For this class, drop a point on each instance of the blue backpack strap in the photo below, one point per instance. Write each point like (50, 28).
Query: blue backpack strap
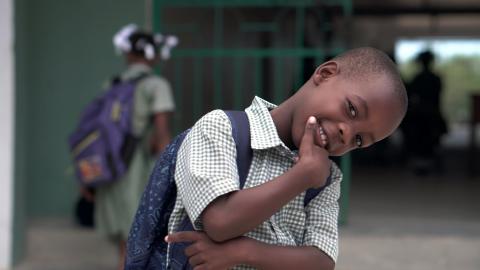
(241, 136)
(313, 192)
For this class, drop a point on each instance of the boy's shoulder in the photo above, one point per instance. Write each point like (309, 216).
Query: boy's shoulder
(215, 114)
(212, 120)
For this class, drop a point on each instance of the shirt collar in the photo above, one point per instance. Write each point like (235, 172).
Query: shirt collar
(262, 129)
(135, 70)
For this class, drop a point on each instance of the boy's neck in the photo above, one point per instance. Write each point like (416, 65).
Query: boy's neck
(282, 117)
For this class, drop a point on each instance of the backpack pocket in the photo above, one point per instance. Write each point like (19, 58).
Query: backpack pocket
(93, 165)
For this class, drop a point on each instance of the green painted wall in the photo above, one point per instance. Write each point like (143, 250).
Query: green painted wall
(66, 54)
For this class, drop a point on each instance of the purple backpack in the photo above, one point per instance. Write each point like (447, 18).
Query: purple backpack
(103, 143)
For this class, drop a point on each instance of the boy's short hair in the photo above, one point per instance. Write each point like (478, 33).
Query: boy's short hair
(365, 63)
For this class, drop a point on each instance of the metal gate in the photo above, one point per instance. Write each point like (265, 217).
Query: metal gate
(232, 50)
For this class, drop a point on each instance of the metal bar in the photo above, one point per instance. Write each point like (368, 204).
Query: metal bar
(178, 116)
(156, 15)
(255, 53)
(299, 42)
(279, 90)
(319, 59)
(156, 27)
(383, 11)
(217, 65)
(238, 83)
(190, 28)
(259, 27)
(258, 77)
(197, 88)
(347, 8)
(243, 3)
(148, 15)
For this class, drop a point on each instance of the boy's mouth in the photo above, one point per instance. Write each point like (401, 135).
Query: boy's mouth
(322, 137)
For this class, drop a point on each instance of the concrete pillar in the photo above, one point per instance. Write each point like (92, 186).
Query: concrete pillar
(6, 131)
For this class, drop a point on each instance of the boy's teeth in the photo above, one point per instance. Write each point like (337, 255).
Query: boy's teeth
(323, 136)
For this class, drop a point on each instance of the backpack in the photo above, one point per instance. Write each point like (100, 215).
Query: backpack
(146, 248)
(103, 143)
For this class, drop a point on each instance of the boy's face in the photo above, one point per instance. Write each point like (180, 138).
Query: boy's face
(353, 114)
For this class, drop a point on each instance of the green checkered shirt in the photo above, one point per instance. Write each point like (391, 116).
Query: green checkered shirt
(206, 169)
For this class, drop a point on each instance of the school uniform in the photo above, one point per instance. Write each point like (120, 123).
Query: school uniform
(116, 203)
(206, 169)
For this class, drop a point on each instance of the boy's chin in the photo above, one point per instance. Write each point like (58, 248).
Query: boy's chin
(340, 152)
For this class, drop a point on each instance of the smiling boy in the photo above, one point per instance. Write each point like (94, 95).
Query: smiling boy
(350, 102)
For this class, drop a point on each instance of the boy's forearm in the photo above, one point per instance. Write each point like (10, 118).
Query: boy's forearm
(240, 212)
(264, 256)
(206, 253)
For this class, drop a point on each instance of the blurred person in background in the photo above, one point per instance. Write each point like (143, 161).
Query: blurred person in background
(153, 105)
(424, 123)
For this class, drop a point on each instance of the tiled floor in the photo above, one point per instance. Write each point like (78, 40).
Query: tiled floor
(397, 221)
(58, 244)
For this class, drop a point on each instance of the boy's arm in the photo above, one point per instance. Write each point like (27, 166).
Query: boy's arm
(243, 250)
(239, 212)
(265, 256)
(318, 250)
(207, 180)
(321, 226)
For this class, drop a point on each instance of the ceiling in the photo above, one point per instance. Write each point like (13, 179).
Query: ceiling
(408, 7)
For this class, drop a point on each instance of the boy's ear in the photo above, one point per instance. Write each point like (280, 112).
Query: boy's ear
(325, 71)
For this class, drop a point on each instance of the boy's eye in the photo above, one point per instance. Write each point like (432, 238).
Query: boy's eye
(358, 141)
(352, 110)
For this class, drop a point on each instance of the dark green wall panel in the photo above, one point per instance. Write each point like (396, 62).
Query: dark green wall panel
(69, 53)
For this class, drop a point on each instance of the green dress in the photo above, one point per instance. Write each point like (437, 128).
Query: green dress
(116, 203)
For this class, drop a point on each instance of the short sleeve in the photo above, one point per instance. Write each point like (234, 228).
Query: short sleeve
(206, 164)
(160, 95)
(321, 228)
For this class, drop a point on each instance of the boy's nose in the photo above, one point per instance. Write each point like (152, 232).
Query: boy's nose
(345, 133)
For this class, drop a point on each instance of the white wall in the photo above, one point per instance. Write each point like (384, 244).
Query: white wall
(6, 130)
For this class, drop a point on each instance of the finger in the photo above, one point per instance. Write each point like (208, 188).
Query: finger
(188, 236)
(200, 267)
(196, 260)
(307, 139)
(192, 250)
